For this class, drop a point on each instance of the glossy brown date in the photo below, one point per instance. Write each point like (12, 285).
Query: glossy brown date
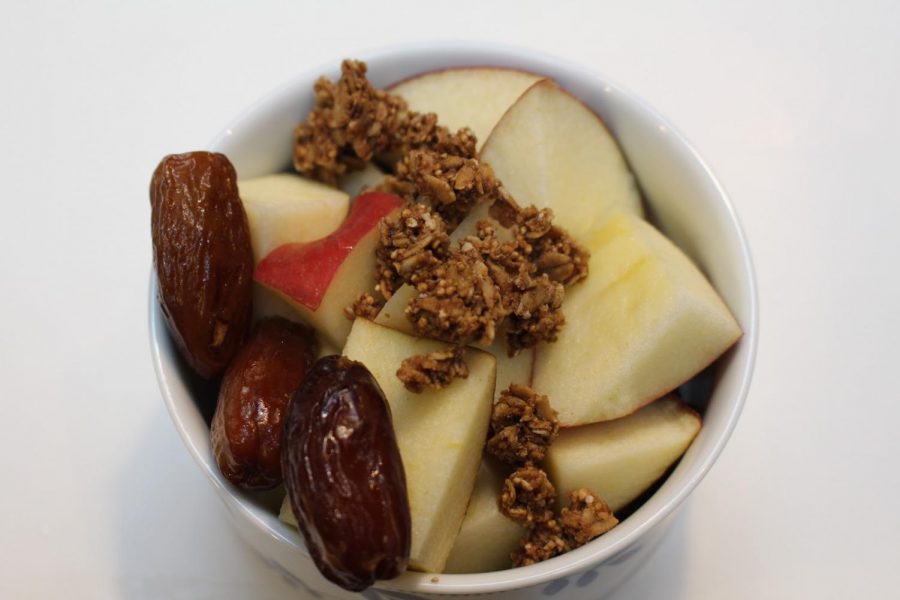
(247, 428)
(344, 476)
(202, 256)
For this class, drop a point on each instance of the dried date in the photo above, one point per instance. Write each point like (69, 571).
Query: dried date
(344, 476)
(202, 256)
(247, 428)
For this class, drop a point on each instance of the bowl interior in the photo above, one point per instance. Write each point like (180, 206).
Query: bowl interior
(683, 198)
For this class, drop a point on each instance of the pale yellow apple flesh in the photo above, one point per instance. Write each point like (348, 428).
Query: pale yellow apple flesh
(285, 208)
(440, 433)
(549, 149)
(644, 321)
(286, 514)
(486, 537)
(356, 182)
(619, 460)
(473, 97)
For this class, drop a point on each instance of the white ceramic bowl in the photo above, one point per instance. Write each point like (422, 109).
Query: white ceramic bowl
(686, 201)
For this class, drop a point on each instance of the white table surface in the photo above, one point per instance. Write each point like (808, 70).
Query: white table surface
(795, 106)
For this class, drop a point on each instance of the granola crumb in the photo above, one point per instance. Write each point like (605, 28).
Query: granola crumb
(586, 517)
(528, 497)
(433, 370)
(539, 544)
(365, 305)
(523, 425)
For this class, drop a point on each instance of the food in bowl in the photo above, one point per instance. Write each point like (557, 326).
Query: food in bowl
(457, 228)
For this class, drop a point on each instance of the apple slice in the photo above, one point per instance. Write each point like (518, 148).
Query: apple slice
(286, 514)
(473, 97)
(486, 538)
(285, 208)
(549, 149)
(644, 321)
(619, 460)
(320, 279)
(441, 434)
(357, 182)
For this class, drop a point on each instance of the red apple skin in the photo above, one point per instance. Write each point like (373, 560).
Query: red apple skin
(303, 271)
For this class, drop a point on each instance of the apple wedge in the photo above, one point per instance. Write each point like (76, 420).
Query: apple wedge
(644, 321)
(549, 149)
(486, 537)
(619, 460)
(285, 208)
(320, 279)
(473, 97)
(357, 182)
(441, 434)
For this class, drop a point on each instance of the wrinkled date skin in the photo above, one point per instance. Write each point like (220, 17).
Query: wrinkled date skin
(344, 475)
(203, 257)
(247, 428)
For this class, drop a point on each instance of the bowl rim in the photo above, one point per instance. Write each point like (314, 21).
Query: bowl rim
(592, 553)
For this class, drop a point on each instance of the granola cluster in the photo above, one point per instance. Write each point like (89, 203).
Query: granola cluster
(353, 122)
(550, 248)
(451, 184)
(411, 244)
(523, 425)
(433, 370)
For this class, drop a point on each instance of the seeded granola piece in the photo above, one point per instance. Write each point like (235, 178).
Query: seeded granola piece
(451, 184)
(421, 130)
(365, 305)
(523, 425)
(538, 315)
(543, 542)
(433, 370)
(553, 251)
(457, 301)
(528, 497)
(586, 517)
(411, 244)
(350, 123)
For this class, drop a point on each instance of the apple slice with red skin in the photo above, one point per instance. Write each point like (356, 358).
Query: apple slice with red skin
(319, 279)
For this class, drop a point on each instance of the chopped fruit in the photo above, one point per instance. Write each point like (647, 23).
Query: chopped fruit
(285, 208)
(486, 537)
(357, 182)
(286, 514)
(322, 278)
(549, 149)
(473, 97)
(646, 321)
(440, 433)
(621, 459)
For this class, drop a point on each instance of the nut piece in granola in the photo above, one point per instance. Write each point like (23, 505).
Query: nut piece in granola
(528, 497)
(433, 370)
(586, 517)
(523, 425)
